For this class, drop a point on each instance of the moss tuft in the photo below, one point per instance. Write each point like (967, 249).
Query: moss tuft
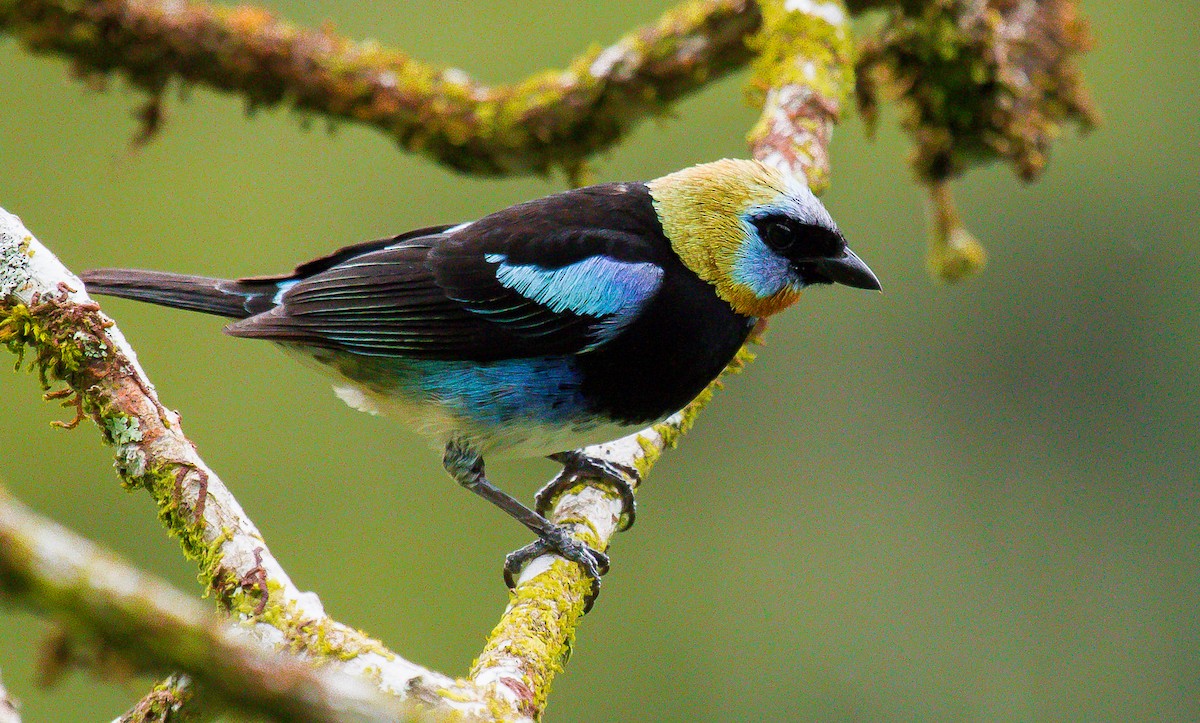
(799, 47)
(980, 81)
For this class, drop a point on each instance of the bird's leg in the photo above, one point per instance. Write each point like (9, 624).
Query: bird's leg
(466, 467)
(579, 467)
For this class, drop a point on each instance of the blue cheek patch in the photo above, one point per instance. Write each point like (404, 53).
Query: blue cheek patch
(614, 291)
(758, 268)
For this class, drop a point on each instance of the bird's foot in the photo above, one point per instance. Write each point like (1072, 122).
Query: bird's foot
(557, 540)
(578, 468)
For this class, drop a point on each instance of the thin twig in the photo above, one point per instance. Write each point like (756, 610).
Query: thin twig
(162, 703)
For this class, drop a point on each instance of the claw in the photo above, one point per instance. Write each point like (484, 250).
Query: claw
(466, 466)
(593, 562)
(577, 468)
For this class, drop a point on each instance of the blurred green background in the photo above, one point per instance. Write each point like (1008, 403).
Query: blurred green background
(969, 503)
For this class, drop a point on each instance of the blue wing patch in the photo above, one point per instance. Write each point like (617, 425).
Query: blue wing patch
(615, 292)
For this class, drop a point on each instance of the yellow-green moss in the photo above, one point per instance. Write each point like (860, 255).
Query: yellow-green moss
(180, 520)
(163, 703)
(980, 83)
(54, 358)
(801, 49)
(322, 639)
(66, 340)
(534, 629)
(552, 121)
(798, 47)
(537, 630)
(955, 257)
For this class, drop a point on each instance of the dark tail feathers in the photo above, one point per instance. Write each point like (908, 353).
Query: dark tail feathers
(233, 299)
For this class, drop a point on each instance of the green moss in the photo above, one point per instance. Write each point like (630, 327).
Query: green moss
(534, 628)
(980, 84)
(63, 342)
(66, 342)
(955, 257)
(54, 358)
(550, 122)
(322, 639)
(539, 632)
(164, 703)
(798, 47)
(162, 482)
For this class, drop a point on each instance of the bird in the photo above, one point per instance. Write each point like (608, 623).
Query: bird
(549, 325)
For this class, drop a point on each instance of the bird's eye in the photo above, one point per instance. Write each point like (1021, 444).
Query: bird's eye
(779, 237)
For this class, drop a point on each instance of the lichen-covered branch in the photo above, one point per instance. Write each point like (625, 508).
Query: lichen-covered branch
(8, 707)
(554, 119)
(120, 614)
(163, 703)
(978, 81)
(529, 646)
(44, 315)
(533, 639)
(802, 77)
(981, 80)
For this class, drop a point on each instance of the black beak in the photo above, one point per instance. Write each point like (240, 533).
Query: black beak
(847, 269)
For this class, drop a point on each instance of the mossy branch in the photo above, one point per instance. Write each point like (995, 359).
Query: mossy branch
(556, 118)
(43, 316)
(802, 79)
(139, 625)
(978, 82)
(533, 639)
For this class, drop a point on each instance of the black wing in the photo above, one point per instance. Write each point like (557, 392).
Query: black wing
(560, 275)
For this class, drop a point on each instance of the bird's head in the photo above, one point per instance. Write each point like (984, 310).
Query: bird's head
(755, 234)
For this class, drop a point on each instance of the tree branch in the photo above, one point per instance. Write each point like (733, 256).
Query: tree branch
(529, 645)
(150, 628)
(802, 79)
(803, 75)
(978, 82)
(527, 648)
(162, 703)
(552, 119)
(73, 342)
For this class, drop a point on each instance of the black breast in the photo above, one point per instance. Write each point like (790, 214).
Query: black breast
(664, 359)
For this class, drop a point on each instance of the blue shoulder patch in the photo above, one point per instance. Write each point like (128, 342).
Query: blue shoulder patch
(613, 291)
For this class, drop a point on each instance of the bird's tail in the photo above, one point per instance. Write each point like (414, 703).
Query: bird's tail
(232, 299)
